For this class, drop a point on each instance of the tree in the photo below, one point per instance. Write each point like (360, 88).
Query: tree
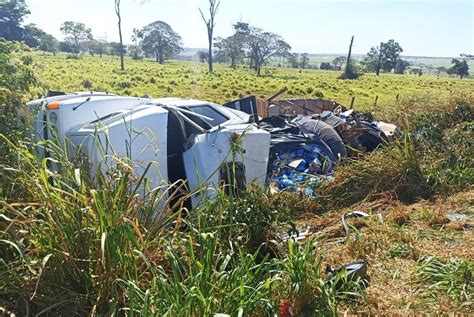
(76, 33)
(210, 24)
(467, 56)
(460, 68)
(349, 72)
(229, 50)
(416, 71)
(94, 47)
(66, 47)
(102, 46)
(441, 69)
(338, 61)
(400, 66)
(16, 77)
(37, 38)
(265, 45)
(31, 35)
(325, 66)
(383, 57)
(115, 48)
(233, 47)
(292, 59)
(203, 56)
(135, 37)
(117, 11)
(12, 13)
(160, 40)
(304, 60)
(48, 43)
(224, 53)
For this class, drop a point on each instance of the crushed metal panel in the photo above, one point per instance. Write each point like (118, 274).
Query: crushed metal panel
(247, 105)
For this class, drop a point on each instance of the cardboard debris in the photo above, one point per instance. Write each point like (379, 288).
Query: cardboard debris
(294, 164)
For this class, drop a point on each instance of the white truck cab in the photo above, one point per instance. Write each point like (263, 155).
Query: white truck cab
(195, 141)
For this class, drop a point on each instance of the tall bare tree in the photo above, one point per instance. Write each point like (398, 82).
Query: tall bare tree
(210, 24)
(117, 11)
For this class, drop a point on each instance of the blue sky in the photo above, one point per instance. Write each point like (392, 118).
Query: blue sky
(422, 27)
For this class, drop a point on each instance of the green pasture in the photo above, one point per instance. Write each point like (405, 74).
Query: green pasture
(191, 80)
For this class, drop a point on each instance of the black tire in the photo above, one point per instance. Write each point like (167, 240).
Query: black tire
(328, 135)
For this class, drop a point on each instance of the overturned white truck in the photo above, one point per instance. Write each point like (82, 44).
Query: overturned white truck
(168, 139)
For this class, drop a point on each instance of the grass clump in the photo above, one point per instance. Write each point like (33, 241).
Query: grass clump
(394, 169)
(453, 277)
(445, 140)
(201, 279)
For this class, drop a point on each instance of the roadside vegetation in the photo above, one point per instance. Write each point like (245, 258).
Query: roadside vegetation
(70, 247)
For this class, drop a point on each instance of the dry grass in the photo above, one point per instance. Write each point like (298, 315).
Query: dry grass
(393, 240)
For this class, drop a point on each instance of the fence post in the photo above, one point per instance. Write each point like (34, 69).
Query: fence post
(352, 101)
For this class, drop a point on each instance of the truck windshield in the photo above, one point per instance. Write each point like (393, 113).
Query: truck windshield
(211, 116)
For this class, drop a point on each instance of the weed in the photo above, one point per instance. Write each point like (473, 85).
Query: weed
(453, 277)
(395, 169)
(401, 250)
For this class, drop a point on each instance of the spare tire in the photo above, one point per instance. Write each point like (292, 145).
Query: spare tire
(327, 134)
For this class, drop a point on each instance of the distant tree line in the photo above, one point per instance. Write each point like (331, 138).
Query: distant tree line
(248, 45)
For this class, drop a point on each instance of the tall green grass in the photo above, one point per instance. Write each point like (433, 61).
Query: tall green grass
(75, 239)
(75, 247)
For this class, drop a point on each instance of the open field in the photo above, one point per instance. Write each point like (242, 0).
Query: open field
(190, 79)
(74, 248)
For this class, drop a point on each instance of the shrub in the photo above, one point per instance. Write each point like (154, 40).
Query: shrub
(73, 56)
(86, 83)
(319, 94)
(124, 84)
(16, 78)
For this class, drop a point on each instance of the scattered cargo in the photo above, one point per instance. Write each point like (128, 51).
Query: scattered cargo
(310, 136)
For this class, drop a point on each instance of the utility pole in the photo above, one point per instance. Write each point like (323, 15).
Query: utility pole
(379, 62)
(349, 56)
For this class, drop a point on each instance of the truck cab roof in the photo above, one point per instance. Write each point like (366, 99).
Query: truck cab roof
(67, 96)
